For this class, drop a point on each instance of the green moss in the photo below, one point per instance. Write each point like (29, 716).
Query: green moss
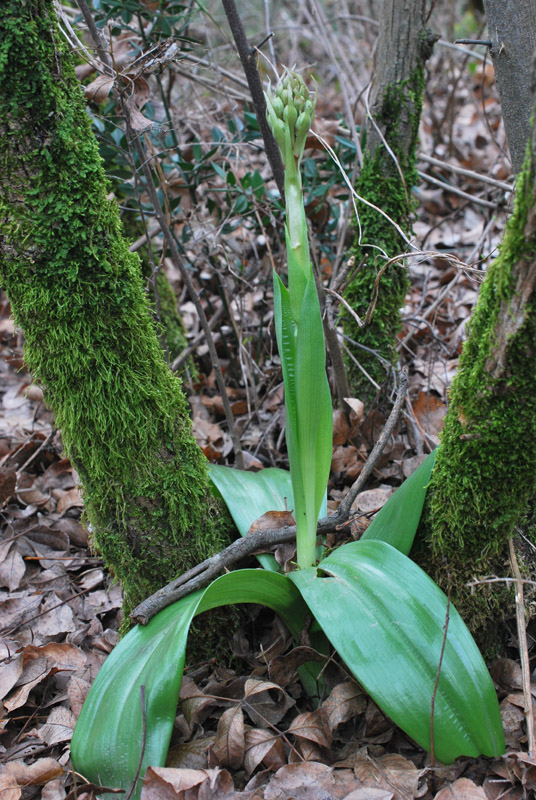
(171, 322)
(485, 473)
(78, 294)
(380, 184)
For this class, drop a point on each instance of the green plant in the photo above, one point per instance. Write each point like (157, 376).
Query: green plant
(391, 624)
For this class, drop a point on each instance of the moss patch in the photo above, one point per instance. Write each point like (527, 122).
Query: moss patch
(380, 183)
(78, 294)
(485, 473)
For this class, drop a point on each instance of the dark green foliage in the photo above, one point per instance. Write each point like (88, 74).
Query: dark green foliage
(485, 473)
(78, 294)
(380, 183)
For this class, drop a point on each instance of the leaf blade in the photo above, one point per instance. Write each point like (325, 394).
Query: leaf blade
(389, 631)
(397, 521)
(106, 743)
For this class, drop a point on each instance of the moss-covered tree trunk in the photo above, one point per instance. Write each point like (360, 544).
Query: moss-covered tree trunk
(78, 295)
(387, 176)
(485, 473)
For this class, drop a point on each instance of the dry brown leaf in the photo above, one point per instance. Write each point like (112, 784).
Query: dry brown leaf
(365, 793)
(41, 771)
(345, 702)
(462, 789)
(373, 499)
(41, 662)
(99, 89)
(77, 691)
(513, 720)
(194, 703)
(190, 755)
(346, 460)
(391, 773)
(265, 702)
(8, 481)
(138, 122)
(507, 673)
(310, 781)
(341, 427)
(229, 744)
(163, 783)
(58, 727)
(263, 746)
(358, 409)
(272, 520)
(10, 673)
(12, 566)
(283, 669)
(70, 499)
(311, 726)
(430, 412)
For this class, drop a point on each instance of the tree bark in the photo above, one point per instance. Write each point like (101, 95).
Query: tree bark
(485, 473)
(387, 176)
(77, 293)
(512, 32)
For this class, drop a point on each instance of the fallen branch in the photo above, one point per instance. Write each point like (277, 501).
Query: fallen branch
(263, 541)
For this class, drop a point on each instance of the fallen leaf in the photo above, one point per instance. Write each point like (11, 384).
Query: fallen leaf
(391, 773)
(373, 499)
(462, 789)
(312, 726)
(58, 727)
(12, 566)
(345, 702)
(229, 744)
(263, 746)
(309, 781)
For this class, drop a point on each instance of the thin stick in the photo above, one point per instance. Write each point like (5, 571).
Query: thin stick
(523, 650)
(262, 541)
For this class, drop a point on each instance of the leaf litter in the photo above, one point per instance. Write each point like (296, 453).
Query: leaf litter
(249, 731)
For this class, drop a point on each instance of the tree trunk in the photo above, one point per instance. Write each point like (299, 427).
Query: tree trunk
(512, 32)
(387, 177)
(78, 295)
(485, 473)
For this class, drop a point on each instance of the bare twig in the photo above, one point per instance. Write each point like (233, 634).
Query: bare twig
(469, 173)
(262, 541)
(248, 58)
(523, 650)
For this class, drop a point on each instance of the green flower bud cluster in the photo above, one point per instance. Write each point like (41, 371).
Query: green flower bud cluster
(290, 112)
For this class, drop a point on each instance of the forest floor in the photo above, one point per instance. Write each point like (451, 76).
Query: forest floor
(61, 610)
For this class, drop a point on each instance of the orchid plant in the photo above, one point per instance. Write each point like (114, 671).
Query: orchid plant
(388, 621)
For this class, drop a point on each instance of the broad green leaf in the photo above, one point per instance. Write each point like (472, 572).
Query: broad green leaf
(107, 740)
(285, 329)
(386, 617)
(315, 427)
(249, 495)
(396, 523)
